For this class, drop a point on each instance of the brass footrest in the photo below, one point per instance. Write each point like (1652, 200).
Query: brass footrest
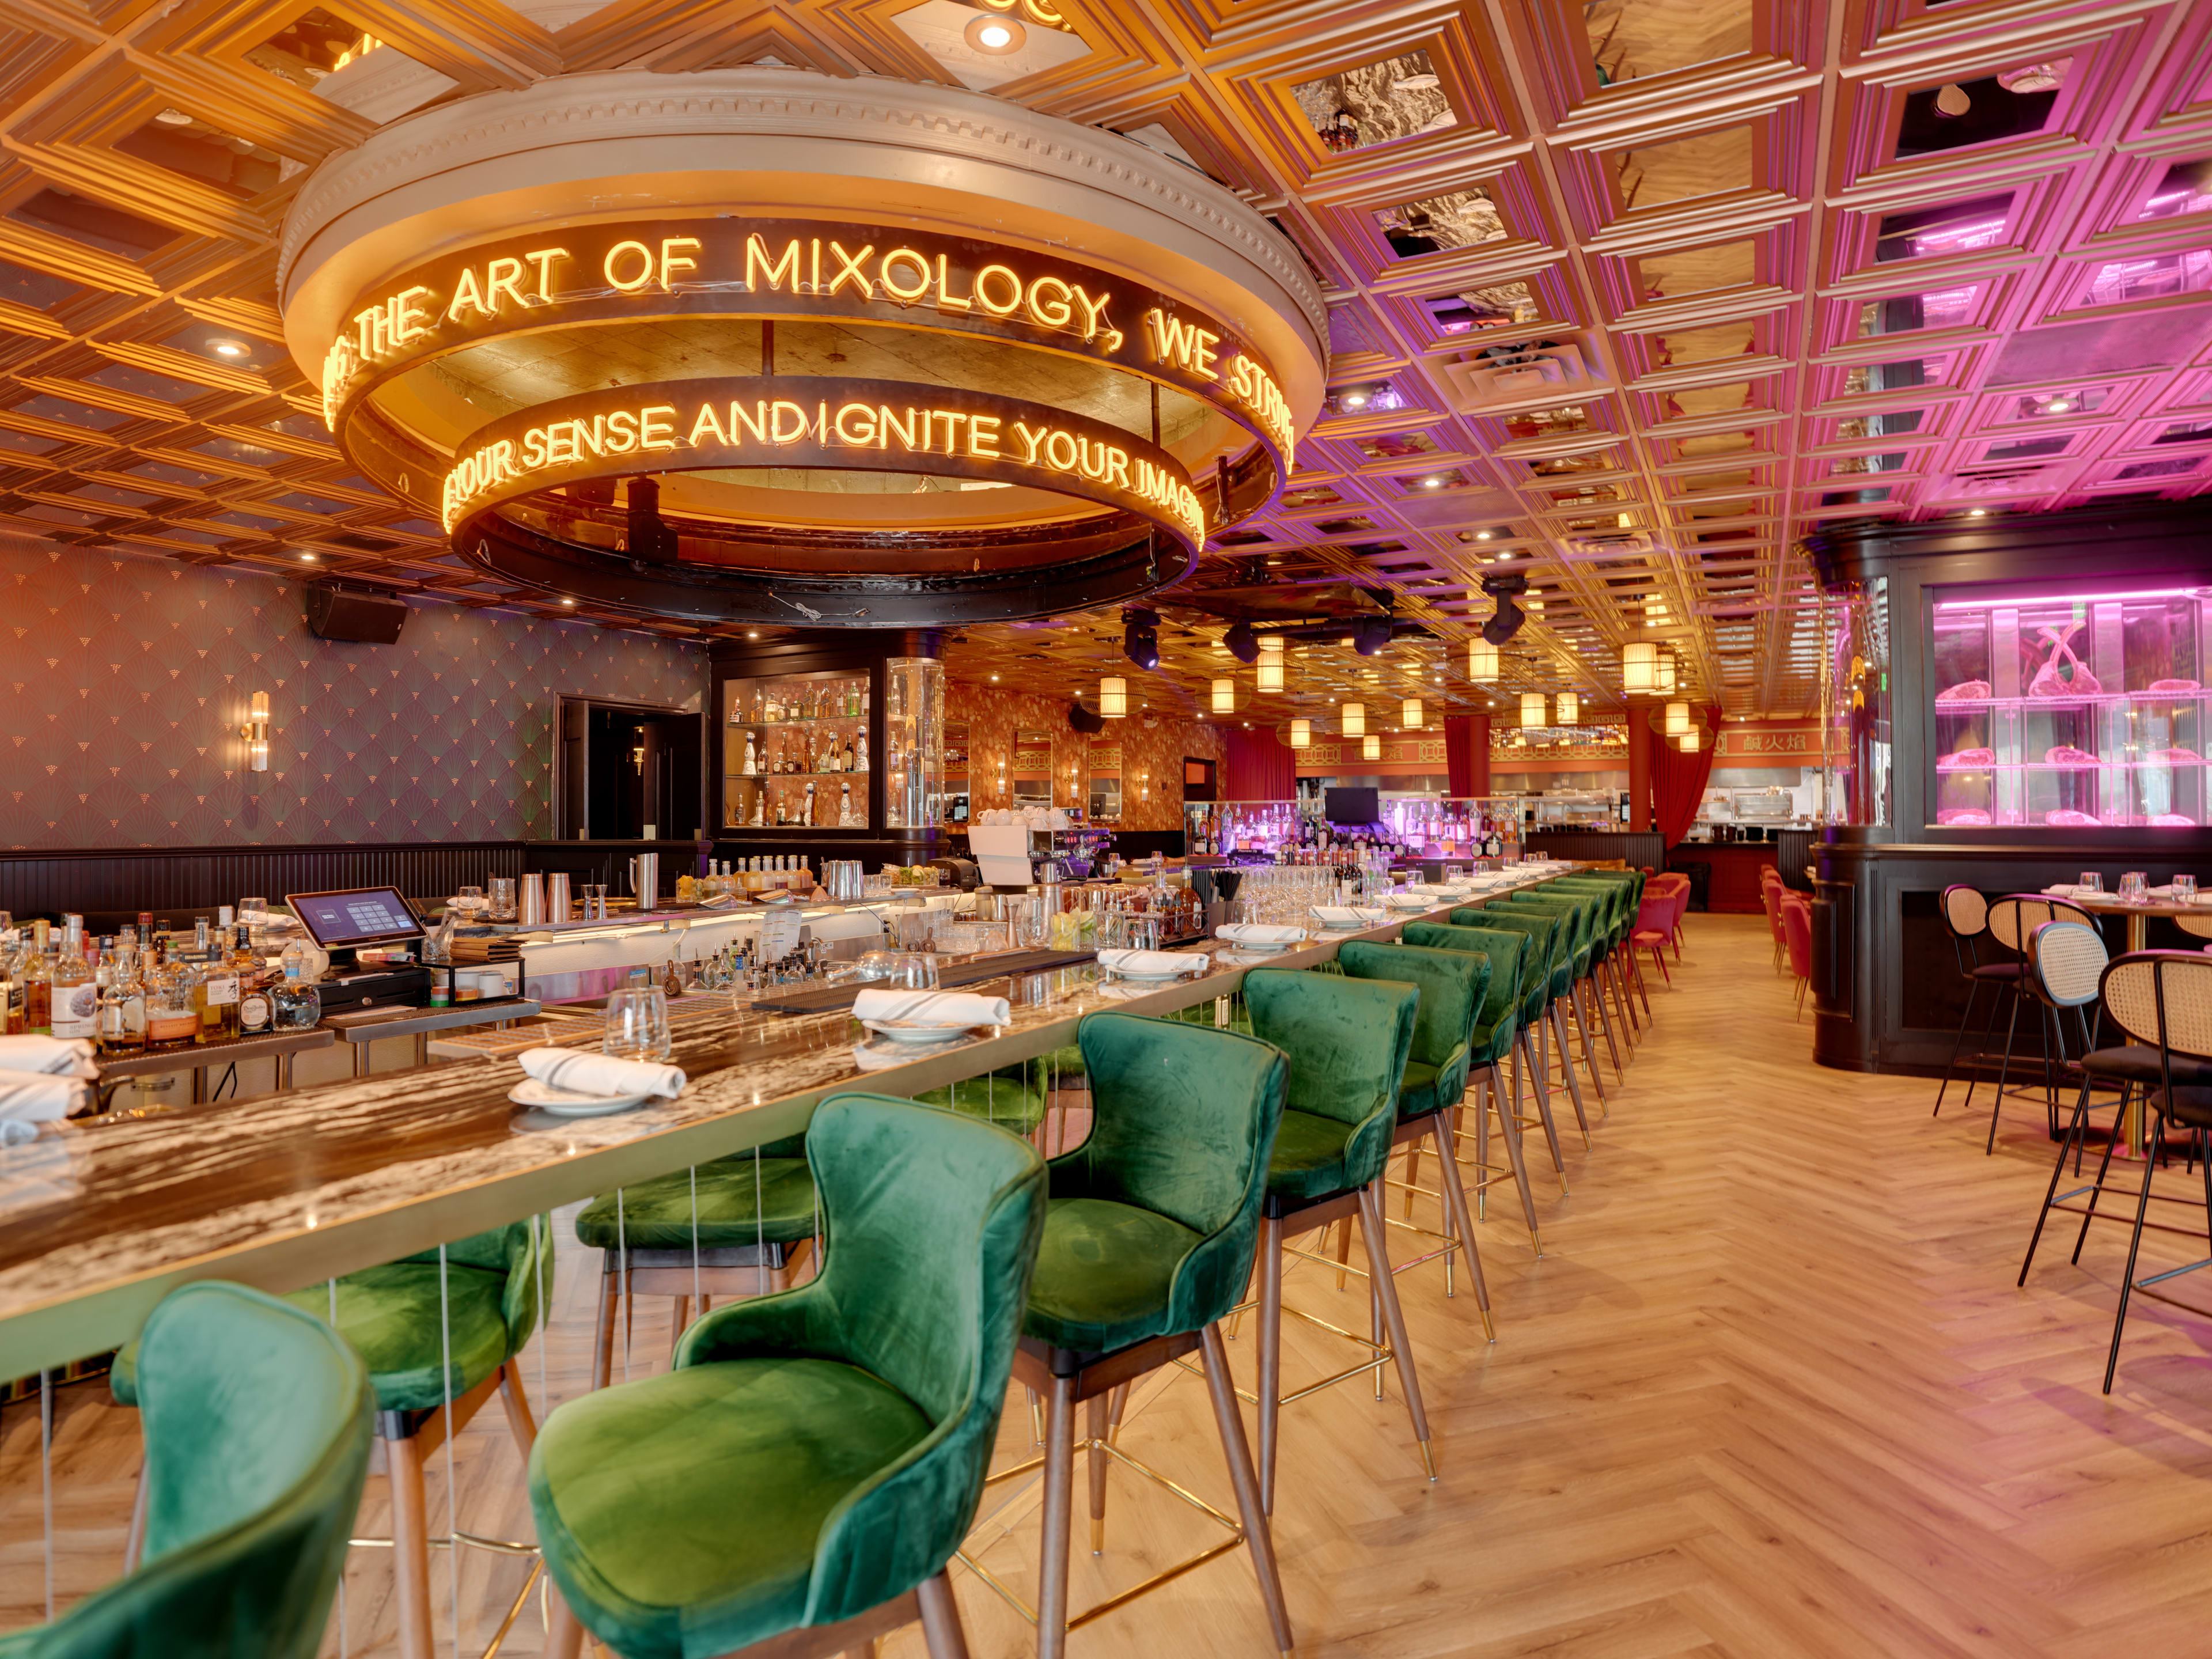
(1005, 1593)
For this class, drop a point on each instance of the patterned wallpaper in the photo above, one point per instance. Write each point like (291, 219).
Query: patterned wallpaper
(993, 715)
(123, 682)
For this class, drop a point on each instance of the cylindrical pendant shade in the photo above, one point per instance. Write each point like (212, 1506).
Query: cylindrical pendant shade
(1531, 708)
(1639, 668)
(1665, 687)
(1114, 698)
(1267, 675)
(1481, 660)
(1354, 718)
(1301, 734)
(1370, 747)
(1678, 719)
(1412, 715)
(1569, 709)
(1691, 741)
(1224, 696)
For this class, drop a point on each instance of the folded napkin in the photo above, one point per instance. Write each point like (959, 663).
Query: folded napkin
(932, 1007)
(54, 1056)
(1149, 963)
(1344, 913)
(2062, 889)
(1414, 899)
(601, 1074)
(33, 1099)
(1254, 932)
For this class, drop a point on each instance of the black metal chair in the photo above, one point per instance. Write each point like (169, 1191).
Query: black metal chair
(1966, 918)
(2067, 963)
(2012, 921)
(2163, 997)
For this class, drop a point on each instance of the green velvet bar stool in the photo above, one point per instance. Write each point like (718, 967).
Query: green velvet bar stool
(1605, 935)
(1497, 1028)
(797, 1483)
(1581, 920)
(1620, 900)
(1454, 987)
(1587, 919)
(420, 1340)
(1148, 1244)
(257, 1426)
(1347, 1040)
(1545, 969)
(736, 1226)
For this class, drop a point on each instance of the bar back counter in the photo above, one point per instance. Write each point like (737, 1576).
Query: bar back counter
(2010, 703)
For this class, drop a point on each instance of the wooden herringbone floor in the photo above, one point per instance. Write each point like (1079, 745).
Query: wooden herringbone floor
(1770, 1392)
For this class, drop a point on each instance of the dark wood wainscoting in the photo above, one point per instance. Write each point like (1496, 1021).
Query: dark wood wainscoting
(1639, 849)
(178, 883)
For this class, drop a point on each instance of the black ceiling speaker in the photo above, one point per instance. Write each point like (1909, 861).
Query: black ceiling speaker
(1371, 636)
(1081, 719)
(1243, 642)
(1506, 621)
(358, 616)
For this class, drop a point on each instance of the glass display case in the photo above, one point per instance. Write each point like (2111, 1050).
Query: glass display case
(795, 751)
(2064, 711)
(914, 742)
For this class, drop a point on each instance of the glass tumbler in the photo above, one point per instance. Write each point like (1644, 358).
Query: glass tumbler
(2092, 881)
(637, 1023)
(2132, 888)
(2185, 890)
(502, 898)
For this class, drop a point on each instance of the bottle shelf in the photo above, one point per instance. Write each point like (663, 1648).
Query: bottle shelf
(764, 777)
(811, 720)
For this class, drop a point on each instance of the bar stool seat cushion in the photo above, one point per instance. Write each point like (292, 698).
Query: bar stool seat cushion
(1496, 1021)
(1999, 971)
(689, 1505)
(2192, 1106)
(391, 1316)
(2141, 1065)
(737, 1205)
(1310, 1157)
(1432, 1088)
(1453, 984)
(1105, 1275)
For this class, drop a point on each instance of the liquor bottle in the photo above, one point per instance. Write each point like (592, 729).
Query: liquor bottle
(14, 953)
(215, 997)
(860, 754)
(122, 1004)
(255, 1015)
(39, 981)
(172, 1021)
(807, 813)
(73, 993)
(295, 1004)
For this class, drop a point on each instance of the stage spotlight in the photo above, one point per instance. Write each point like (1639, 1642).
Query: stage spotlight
(1371, 636)
(1242, 641)
(1140, 638)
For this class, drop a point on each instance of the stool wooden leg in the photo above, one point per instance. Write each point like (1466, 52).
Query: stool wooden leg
(940, 1619)
(1509, 1131)
(1529, 1044)
(1567, 1069)
(1584, 996)
(1257, 1539)
(1413, 1174)
(1270, 1390)
(410, 1547)
(1393, 1317)
(564, 1637)
(1462, 1223)
(1059, 1480)
(603, 1356)
(679, 1315)
(1343, 1252)
(1096, 1428)
(136, 1543)
(519, 1422)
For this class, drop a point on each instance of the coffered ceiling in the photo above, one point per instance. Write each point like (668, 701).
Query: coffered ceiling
(1627, 295)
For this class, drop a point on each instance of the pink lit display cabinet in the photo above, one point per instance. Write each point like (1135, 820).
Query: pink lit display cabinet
(2071, 710)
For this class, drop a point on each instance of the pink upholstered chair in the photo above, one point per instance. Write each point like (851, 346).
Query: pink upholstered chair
(1771, 891)
(1655, 927)
(1797, 938)
(1675, 887)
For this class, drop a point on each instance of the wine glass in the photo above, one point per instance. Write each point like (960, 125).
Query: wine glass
(637, 1023)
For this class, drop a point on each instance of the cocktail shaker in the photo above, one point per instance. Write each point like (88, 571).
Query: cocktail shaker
(530, 912)
(557, 907)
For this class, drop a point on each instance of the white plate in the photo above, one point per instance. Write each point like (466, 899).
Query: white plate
(907, 1031)
(569, 1103)
(1114, 974)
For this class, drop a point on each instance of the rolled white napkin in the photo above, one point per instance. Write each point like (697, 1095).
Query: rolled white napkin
(589, 1073)
(28, 1098)
(932, 1007)
(1149, 963)
(49, 1055)
(1255, 932)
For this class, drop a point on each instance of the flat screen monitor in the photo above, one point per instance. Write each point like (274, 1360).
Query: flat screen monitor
(1354, 805)
(357, 915)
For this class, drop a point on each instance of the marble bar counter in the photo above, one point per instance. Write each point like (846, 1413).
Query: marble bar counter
(101, 1218)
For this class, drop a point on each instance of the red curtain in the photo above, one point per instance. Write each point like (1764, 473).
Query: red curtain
(1678, 780)
(1467, 754)
(1259, 769)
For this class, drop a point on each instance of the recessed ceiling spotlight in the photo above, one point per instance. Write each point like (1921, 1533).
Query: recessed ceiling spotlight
(1432, 482)
(1977, 512)
(229, 348)
(2059, 405)
(997, 36)
(567, 601)
(1482, 535)
(751, 635)
(1354, 400)
(307, 558)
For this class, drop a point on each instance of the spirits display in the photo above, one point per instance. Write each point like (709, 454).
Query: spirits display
(172, 1019)
(295, 1003)
(39, 981)
(74, 994)
(2064, 711)
(780, 735)
(122, 1004)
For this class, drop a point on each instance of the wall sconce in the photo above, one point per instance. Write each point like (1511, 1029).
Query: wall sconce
(255, 733)
(1143, 785)
(1353, 716)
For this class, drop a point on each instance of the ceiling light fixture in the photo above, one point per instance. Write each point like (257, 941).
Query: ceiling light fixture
(1952, 100)
(1353, 720)
(1224, 696)
(1569, 709)
(1301, 734)
(1533, 713)
(1113, 697)
(1665, 687)
(1639, 668)
(1678, 719)
(1482, 660)
(995, 36)
(229, 348)
(1269, 674)
(1411, 714)
(1370, 747)
(567, 601)
(1140, 638)
(1691, 741)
